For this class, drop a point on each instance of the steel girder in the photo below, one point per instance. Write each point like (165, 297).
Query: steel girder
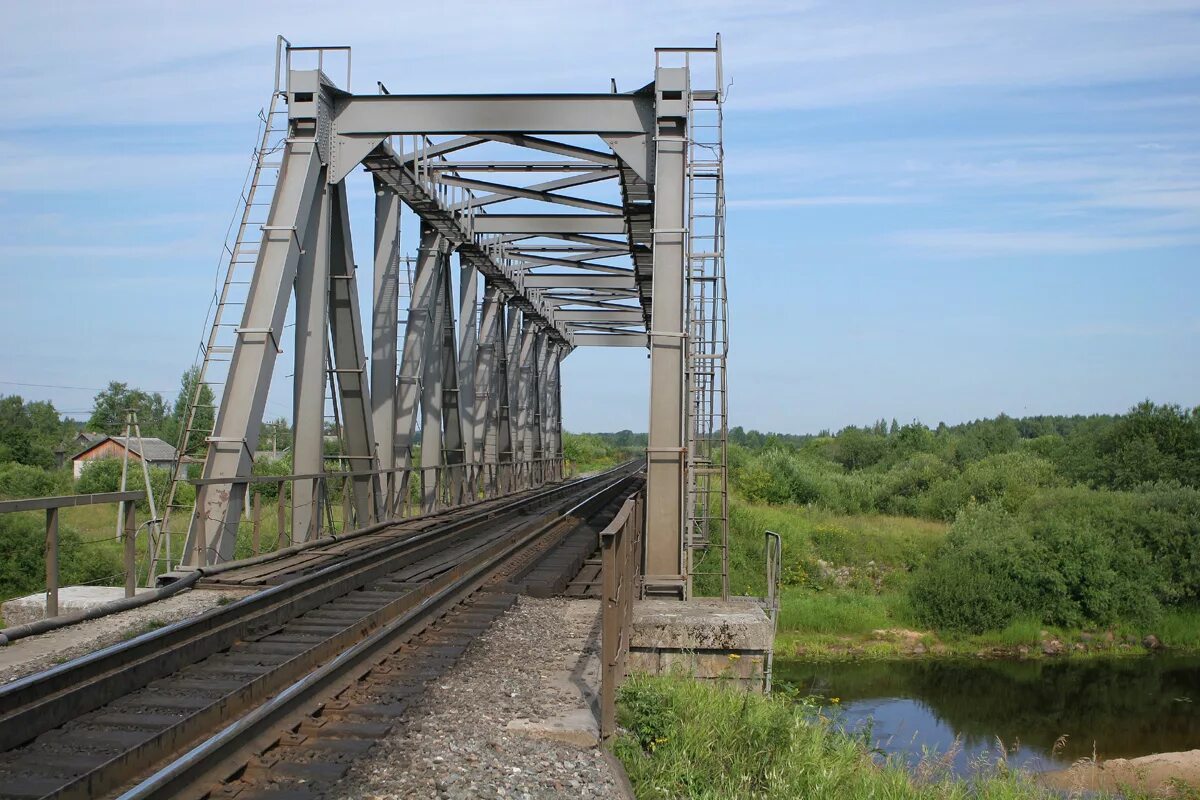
(309, 378)
(386, 115)
(213, 531)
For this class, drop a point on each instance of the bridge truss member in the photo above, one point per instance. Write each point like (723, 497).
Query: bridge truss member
(641, 267)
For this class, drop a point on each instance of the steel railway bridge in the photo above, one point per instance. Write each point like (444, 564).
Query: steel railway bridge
(617, 242)
(578, 220)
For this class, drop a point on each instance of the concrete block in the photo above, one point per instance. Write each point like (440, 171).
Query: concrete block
(703, 623)
(578, 728)
(705, 637)
(71, 600)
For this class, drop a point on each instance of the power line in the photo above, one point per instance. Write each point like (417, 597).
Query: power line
(84, 388)
(51, 386)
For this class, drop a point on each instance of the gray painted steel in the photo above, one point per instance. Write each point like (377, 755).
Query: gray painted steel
(665, 457)
(480, 380)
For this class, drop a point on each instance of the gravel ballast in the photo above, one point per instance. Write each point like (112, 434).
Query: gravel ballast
(36, 653)
(513, 718)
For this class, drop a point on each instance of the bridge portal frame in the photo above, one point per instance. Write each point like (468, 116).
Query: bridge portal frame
(497, 398)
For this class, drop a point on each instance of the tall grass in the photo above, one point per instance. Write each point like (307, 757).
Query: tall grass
(695, 740)
(809, 534)
(843, 613)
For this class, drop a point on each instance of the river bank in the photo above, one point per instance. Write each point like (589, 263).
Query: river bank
(1018, 642)
(847, 593)
(701, 740)
(1165, 774)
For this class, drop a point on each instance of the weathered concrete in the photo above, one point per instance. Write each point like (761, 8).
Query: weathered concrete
(704, 637)
(71, 600)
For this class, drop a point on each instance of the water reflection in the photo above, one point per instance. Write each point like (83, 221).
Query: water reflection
(1121, 708)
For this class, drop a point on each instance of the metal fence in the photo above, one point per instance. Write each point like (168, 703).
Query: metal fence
(620, 558)
(52, 505)
(406, 492)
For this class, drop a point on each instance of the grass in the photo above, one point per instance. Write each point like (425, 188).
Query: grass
(145, 627)
(839, 609)
(1180, 630)
(703, 740)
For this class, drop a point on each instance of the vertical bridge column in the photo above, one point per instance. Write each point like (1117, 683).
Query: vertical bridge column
(418, 333)
(488, 368)
(385, 318)
(350, 363)
(665, 565)
(309, 376)
(468, 353)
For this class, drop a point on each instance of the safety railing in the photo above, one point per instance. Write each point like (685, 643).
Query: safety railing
(53, 505)
(774, 546)
(620, 549)
(406, 492)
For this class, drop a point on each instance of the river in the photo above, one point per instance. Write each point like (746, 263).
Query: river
(1110, 707)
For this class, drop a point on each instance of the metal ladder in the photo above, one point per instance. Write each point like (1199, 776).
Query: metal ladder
(707, 501)
(238, 257)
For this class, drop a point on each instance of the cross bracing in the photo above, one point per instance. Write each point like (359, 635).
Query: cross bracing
(568, 216)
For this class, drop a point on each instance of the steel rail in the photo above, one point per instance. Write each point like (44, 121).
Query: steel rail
(33, 705)
(223, 752)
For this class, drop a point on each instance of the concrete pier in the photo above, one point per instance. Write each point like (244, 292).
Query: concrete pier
(705, 637)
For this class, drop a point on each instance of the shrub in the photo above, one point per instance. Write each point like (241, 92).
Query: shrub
(1069, 557)
(899, 489)
(23, 568)
(1165, 518)
(1102, 570)
(1010, 478)
(988, 572)
(104, 475)
(21, 480)
(270, 466)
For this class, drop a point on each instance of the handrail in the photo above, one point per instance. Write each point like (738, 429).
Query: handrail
(774, 545)
(68, 501)
(620, 558)
(51, 505)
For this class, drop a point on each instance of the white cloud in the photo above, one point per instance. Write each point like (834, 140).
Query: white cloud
(180, 62)
(957, 243)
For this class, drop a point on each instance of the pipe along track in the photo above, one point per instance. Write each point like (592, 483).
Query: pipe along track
(200, 702)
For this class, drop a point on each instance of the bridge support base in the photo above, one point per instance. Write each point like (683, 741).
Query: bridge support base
(705, 637)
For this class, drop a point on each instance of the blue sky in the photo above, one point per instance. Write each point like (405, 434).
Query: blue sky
(937, 210)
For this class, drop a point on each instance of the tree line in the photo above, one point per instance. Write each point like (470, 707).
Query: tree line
(1073, 521)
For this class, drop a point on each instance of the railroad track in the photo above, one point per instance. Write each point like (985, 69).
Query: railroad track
(214, 705)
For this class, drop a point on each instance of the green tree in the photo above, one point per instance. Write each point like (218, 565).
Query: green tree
(202, 424)
(30, 431)
(108, 412)
(858, 448)
(14, 430)
(275, 435)
(1150, 443)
